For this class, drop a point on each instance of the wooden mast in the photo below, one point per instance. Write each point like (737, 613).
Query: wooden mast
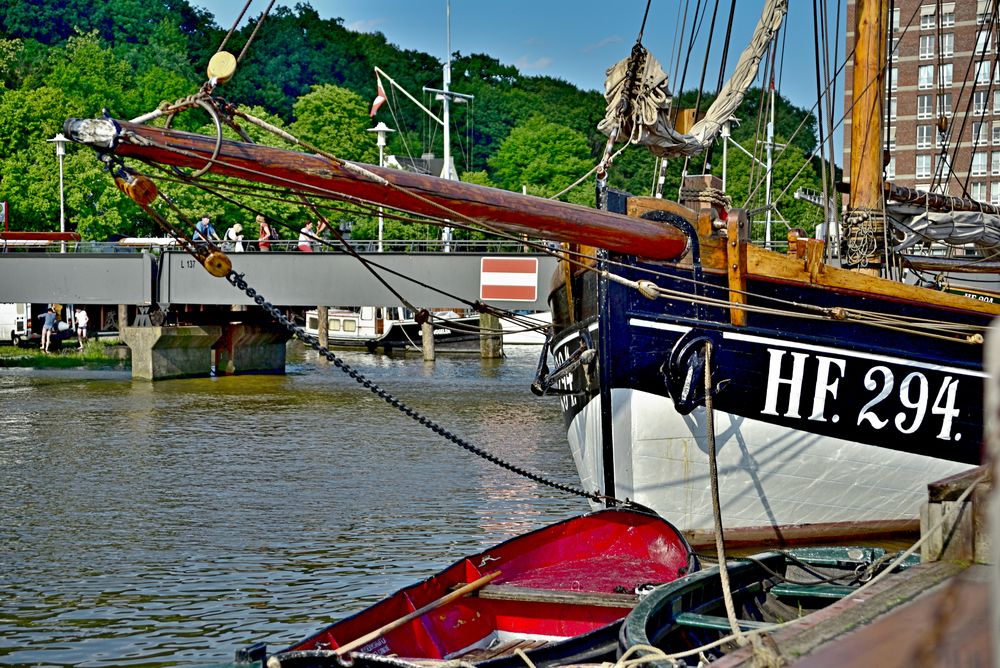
(871, 19)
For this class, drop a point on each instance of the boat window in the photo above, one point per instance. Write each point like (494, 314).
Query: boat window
(350, 326)
(335, 324)
(312, 322)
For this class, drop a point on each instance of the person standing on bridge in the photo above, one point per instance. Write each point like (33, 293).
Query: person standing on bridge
(204, 232)
(267, 234)
(48, 325)
(306, 236)
(233, 241)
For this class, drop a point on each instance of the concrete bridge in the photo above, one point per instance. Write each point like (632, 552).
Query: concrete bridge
(152, 276)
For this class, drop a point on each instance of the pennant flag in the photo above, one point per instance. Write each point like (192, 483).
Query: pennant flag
(379, 99)
(508, 279)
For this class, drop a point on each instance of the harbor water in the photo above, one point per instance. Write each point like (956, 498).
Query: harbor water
(171, 523)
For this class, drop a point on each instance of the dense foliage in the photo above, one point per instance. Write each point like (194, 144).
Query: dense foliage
(313, 76)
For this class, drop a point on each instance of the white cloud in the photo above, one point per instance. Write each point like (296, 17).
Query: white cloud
(364, 25)
(524, 63)
(607, 41)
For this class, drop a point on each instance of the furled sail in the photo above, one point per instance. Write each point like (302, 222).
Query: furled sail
(639, 100)
(914, 224)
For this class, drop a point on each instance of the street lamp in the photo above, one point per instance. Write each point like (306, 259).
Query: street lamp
(381, 129)
(60, 142)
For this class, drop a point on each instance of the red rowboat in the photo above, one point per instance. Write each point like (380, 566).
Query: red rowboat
(559, 594)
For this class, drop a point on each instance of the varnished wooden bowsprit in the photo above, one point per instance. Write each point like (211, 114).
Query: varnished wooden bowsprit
(407, 191)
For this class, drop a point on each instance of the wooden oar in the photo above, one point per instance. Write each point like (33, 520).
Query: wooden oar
(444, 600)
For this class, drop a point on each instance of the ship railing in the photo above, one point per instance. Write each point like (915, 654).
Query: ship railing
(158, 245)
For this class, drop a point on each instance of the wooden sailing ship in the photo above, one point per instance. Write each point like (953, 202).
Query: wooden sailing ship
(836, 394)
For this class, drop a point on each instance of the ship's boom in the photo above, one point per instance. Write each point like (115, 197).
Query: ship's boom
(419, 194)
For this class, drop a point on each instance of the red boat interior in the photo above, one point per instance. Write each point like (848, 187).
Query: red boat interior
(558, 582)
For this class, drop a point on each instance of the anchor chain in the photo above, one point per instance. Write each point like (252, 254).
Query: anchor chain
(239, 282)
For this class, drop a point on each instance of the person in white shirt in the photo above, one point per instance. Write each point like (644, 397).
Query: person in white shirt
(82, 320)
(233, 240)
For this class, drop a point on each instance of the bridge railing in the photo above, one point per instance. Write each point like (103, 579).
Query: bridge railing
(157, 245)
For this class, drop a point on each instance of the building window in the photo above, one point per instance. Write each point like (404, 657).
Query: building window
(923, 167)
(924, 106)
(983, 12)
(895, 20)
(893, 78)
(924, 136)
(890, 169)
(978, 164)
(944, 104)
(995, 163)
(890, 142)
(945, 75)
(925, 76)
(926, 47)
(948, 45)
(927, 17)
(982, 73)
(892, 108)
(978, 133)
(995, 192)
(982, 42)
(980, 102)
(947, 14)
(978, 191)
(996, 133)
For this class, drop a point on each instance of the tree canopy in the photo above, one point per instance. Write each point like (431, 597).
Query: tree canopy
(316, 78)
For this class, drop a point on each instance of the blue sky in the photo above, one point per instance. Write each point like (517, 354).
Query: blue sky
(572, 40)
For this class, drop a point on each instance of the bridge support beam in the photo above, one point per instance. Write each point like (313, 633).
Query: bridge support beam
(490, 337)
(159, 353)
(251, 349)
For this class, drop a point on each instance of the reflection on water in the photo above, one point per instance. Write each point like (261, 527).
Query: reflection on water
(170, 523)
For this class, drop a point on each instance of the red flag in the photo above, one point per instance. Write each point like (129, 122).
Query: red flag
(379, 99)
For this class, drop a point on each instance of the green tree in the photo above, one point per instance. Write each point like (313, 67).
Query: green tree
(545, 157)
(336, 120)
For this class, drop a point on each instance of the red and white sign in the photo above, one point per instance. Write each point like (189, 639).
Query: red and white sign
(509, 279)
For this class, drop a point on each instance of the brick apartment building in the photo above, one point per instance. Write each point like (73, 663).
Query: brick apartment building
(943, 73)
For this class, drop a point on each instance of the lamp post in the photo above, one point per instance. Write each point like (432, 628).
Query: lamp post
(60, 142)
(380, 129)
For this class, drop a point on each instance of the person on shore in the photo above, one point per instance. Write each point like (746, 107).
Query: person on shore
(267, 234)
(48, 326)
(82, 320)
(204, 232)
(306, 235)
(233, 241)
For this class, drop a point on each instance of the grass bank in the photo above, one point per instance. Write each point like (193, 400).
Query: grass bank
(96, 353)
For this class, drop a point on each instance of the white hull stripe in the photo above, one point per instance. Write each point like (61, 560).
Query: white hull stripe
(750, 338)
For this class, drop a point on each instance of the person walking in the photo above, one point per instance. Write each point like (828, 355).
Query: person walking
(267, 234)
(82, 320)
(306, 235)
(48, 326)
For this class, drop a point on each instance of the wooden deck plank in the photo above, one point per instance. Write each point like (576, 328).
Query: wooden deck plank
(502, 592)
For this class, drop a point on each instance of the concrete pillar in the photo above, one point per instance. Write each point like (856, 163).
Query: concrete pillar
(251, 349)
(427, 340)
(490, 336)
(159, 353)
